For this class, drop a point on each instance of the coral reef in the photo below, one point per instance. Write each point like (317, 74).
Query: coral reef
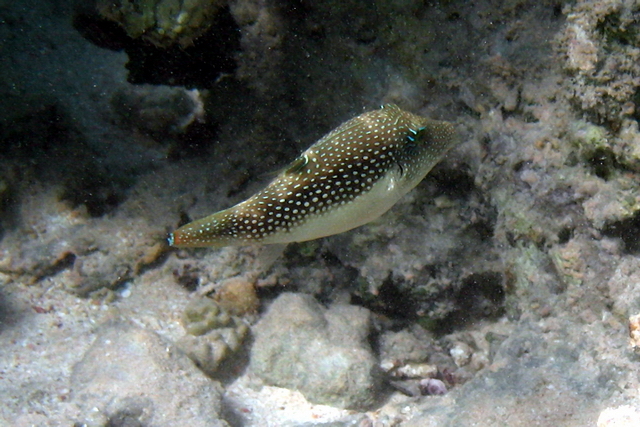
(508, 278)
(162, 22)
(601, 44)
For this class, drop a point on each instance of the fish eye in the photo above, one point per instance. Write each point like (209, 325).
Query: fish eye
(411, 146)
(415, 133)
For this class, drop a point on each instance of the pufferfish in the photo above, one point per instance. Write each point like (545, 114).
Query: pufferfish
(348, 178)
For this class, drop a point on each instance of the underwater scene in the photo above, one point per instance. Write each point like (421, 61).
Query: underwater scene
(295, 213)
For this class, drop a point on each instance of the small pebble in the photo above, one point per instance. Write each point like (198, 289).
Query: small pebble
(432, 387)
(416, 370)
(529, 176)
(461, 353)
(125, 291)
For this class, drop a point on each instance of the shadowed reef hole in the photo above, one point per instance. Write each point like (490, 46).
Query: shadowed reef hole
(628, 231)
(481, 296)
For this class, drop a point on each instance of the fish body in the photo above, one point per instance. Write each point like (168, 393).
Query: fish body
(348, 178)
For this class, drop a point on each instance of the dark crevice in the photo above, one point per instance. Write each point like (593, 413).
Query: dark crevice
(130, 416)
(99, 193)
(184, 219)
(628, 231)
(270, 293)
(45, 145)
(565, 235)
(603, 162)
(390, 301)
(613, 30)
(453, 182)
(62, 263)
(481, 296)
(195, 142)
(484, 229)
(188, 277)
(520, 165)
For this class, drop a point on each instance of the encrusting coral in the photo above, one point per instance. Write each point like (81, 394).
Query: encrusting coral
(162, 22)
(601, 44)
(213, 334)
